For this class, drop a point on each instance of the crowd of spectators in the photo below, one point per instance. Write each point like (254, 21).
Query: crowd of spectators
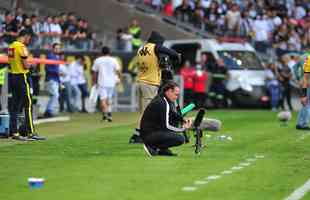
(67, 29)
(279, 77)
(281, 24)
(128, 39)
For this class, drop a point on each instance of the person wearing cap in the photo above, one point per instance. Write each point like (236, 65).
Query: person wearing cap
(20, 86)
(149, 72)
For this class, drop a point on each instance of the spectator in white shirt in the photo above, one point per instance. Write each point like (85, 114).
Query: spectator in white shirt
(106, 72)
(78, 82)
(65, 87)
(299, 12)
(47, 32)
(261, 29)
(56, 30)
(232, 19)
(37, 29)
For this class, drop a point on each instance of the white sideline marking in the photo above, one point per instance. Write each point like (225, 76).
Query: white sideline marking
(237, 168)
(189, 189)
(245, 164)
(52, 119)
(259, 156)
(213, 177)
(241, 165)
(303, 136)
(227, 172)
(200, 182)
(251, 159)
(299, 192)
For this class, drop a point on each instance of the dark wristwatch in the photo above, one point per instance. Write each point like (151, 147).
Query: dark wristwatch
(303, 92)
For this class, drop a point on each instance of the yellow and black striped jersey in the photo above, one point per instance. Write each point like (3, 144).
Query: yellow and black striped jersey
(307, 64)
(17, 51)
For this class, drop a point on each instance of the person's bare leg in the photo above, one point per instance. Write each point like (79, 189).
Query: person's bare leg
(104, 109)
(109, 109)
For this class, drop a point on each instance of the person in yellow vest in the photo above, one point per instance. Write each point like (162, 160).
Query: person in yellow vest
(2, 79)
(135, 31)
(20, 86)
(149, 72)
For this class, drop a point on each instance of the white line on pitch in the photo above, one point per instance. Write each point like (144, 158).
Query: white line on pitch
(236, 168)
(201, 182)
(245, 164)
(189, 189)
(52, 119)
(303, 136)
(227, 172)
(299, 192)
(214, 177)
(259, 156)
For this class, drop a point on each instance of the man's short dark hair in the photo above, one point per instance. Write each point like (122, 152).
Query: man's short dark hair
(105, 50)
(169, 85)
(55, 44)
(7, 13)
(24, 32)
(79, 57)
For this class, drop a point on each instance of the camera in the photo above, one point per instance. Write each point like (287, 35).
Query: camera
(166, 66)
(164, 62)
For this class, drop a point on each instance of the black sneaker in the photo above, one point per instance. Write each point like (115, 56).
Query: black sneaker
(83, 111)
(21, 138)
(48, 115)
(166, 152)
(306, 128)
(135, 139)
(150, 150)
(36, 137)
(109, 119)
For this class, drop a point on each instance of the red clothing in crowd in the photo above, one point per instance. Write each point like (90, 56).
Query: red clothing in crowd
(200, 80)
(168, 9)
(188, 74)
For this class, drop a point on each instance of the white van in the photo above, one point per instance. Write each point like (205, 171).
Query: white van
(246, 83)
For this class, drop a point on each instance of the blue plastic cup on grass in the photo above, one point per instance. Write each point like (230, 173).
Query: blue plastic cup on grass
(35, 183)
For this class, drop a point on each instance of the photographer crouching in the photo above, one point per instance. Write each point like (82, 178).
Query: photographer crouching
(150, 72)
(159, 123)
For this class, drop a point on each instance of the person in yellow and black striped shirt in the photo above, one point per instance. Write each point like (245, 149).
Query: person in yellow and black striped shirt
(20, 87)
(305, 84)
(301, 71)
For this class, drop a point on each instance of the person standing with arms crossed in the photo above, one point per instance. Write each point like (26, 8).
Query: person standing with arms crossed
(20, 85)
(149, 73)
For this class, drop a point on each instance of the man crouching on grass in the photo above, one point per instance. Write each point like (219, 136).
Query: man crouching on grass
(159, 122)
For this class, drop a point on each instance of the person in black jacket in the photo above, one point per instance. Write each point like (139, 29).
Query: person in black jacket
(160, 120)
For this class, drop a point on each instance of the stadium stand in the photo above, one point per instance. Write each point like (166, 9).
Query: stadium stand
(66, 28)
(284, 24)
(99, 12)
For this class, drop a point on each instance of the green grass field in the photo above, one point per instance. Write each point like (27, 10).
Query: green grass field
(86, 159)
